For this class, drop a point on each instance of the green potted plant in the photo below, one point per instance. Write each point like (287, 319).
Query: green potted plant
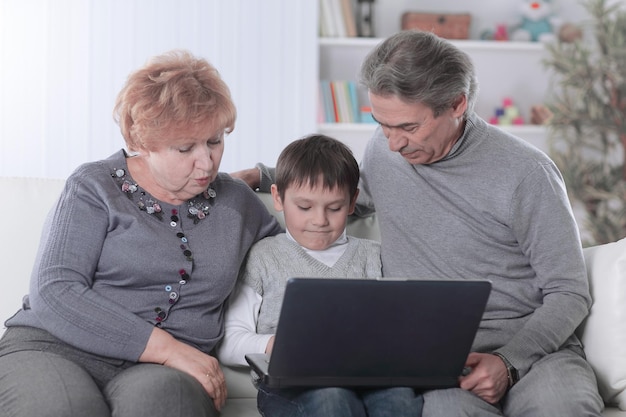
(588, 123)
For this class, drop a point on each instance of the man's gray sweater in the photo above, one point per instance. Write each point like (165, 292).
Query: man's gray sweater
(495, 208)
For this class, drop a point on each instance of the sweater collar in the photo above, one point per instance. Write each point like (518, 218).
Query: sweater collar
(330, 255)
(465, 139)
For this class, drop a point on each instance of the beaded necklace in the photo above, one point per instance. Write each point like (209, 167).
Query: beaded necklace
(198, 209)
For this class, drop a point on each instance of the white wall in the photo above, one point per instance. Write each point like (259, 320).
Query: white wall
(62, 63)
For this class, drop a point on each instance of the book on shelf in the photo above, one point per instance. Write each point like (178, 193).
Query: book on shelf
(349, 18)
(337, 19)
(339, 102)
(326, 100)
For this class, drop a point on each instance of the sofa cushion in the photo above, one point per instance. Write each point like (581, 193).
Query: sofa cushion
(239, 382)
(604, 331)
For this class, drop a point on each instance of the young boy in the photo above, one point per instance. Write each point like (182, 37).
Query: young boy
(316, 189)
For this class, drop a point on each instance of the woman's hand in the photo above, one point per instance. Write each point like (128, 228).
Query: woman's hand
(164, 349)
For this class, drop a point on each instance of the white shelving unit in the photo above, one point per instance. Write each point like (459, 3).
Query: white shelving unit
(504, 69)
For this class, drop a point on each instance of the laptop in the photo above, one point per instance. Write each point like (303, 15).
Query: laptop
(373, 333)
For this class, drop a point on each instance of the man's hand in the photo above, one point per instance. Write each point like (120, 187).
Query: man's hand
(250, 176)
(488, 377)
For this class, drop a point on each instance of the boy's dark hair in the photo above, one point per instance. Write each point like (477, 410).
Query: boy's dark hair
(314, 159)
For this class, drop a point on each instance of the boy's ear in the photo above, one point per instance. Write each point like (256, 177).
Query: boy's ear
(353, 202)
(278, 203)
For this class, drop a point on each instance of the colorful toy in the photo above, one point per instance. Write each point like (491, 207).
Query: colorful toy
(540, 114)
(500, 34)
(537, 24)
(570, 33)
(508, 114)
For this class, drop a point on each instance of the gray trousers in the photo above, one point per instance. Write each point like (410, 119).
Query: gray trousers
(560, 384)
(42, 376)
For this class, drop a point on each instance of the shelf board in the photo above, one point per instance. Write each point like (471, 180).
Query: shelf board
(499, 45)
(463, 44)
(370, 127)
(347, 127)
(523, 129)
(357, 135)
(369, 42)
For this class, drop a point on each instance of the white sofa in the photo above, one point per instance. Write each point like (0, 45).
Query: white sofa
(26, 202)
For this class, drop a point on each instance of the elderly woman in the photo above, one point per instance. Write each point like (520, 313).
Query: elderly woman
(136, 261)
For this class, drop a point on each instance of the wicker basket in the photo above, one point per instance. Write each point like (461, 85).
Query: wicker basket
(449, 26)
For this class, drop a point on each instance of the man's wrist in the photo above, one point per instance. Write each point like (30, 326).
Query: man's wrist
(511, 371)
(266, 177)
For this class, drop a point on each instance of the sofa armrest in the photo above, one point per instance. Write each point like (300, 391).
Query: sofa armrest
(19, 240)
(603, 333)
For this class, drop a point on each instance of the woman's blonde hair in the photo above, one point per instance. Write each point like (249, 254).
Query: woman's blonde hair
(173, 92)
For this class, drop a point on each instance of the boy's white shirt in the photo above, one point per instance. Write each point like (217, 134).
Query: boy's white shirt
(242, 313)
(240, 336)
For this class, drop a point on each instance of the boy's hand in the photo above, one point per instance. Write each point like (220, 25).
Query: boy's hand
(270, 346)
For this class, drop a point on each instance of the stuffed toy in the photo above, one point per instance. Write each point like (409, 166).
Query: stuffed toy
(570, 33)
(538, 23)
(500, 34)
(507, 114)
